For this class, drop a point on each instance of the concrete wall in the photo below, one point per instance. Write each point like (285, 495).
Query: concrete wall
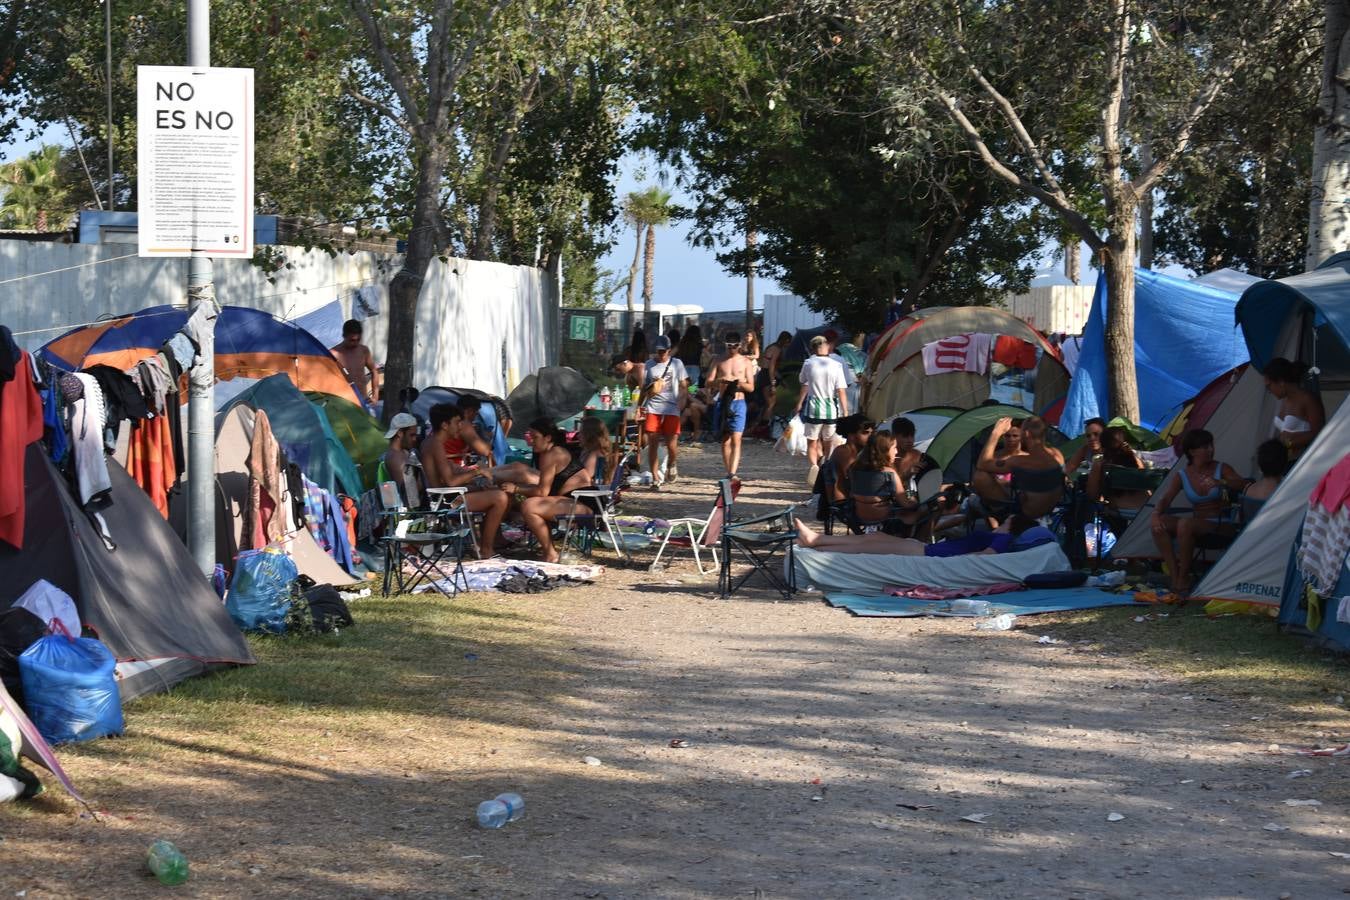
(480, 324)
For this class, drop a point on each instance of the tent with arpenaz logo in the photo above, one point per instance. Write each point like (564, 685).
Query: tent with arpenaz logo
(1304, 318)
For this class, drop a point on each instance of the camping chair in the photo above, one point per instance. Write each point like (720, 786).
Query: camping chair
(1116, 479)
(582, 526)
(424, 541)
(758, 547)
(707, 537)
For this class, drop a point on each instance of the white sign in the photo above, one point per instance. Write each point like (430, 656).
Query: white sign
(194, 156)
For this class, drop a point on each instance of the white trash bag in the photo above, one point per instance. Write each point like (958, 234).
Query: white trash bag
(793, 439)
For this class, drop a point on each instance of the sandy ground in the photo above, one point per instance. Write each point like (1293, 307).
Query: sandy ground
(828, 756)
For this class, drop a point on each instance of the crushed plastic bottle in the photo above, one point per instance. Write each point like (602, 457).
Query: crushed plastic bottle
(167, 862)
(515, 804)
(967, 606)
(493, 814)
(997, 623)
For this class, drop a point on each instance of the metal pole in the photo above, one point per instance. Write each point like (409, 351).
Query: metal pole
(201, 291)
(108, 71)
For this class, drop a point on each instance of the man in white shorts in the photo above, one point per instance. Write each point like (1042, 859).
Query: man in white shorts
(823, 401)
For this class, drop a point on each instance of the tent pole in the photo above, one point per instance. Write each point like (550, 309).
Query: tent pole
(201, 291)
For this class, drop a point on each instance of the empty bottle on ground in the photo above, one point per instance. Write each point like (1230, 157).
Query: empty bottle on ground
(493, 814)
(167, 862)
(966, 606)
(997, 623)
(515, 804)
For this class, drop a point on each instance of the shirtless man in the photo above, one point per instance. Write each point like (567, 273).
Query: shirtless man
(356, 362)
(731, 378)
(402, 437)
(448, 424)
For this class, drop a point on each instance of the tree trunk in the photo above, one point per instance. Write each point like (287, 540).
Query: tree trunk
(1145, 211)
(751, 264)
(1118, 262)
(648, 270)
(632, 270)
(423, 245)
(1073, 260)
(1328, 212)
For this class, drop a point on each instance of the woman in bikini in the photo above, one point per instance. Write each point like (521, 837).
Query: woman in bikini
(560, 473)
(1300, 415)
(1116, 452)
(877, 489)
(1203, 480)
(1037, 471)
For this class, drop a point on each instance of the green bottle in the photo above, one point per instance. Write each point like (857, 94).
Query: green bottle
(167, 862)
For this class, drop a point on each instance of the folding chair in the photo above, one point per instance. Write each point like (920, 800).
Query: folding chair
(587, 524)
(707, 537)
(1116, 479)
(758, 547)
(441, 537)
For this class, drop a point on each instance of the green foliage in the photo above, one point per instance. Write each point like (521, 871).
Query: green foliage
(35, 192)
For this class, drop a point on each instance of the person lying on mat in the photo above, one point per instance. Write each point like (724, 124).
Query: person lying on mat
(1203, 480)
(560, 473)
(1018, 532)
(441, 471)
(1037, 471)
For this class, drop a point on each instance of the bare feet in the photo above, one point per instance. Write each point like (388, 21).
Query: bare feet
(805, 536)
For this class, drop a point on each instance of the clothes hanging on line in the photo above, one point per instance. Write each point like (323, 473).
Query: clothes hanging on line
(20, 425)
(88, 420)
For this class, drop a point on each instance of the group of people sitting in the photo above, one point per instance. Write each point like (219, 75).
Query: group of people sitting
(1019, 479)
(453, 453)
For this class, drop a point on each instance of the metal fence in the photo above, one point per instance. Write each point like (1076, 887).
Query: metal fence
(592, 339)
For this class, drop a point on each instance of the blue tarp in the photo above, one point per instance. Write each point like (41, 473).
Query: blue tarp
(1019, 603)
(1184, 338)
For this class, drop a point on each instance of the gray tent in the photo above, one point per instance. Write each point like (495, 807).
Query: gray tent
(144, 596)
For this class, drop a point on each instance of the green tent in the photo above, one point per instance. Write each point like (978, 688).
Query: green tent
(957, 446)
(1140, 437)
(303, 432)
(359, 432)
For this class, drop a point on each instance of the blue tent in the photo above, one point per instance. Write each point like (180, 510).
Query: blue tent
(1318, 299)
(1184, 338)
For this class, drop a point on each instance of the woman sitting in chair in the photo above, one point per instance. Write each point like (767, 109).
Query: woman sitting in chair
(1017, 532)
(1037, 483)
(1116, 453)
(560, 473)
(1272, 460)
(1203, 480)
(879, 495)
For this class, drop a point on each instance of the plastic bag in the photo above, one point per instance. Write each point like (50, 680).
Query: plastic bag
(70, 689)
(260, 591)
(793, 439)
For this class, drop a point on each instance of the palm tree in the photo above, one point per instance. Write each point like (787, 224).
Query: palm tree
(34, 191)
(646, 211)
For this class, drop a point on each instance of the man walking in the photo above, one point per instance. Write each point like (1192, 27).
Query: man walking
(823, 401)
(664, 387)
(731, 379)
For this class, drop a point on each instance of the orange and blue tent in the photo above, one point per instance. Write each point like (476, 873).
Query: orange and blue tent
(249, 343)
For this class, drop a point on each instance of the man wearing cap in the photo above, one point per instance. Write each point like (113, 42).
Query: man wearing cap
(665, 385)
(730, 380)
(823, 401)
(402, 437)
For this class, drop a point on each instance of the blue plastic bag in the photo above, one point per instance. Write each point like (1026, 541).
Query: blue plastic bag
(260, 591)
(70, 689)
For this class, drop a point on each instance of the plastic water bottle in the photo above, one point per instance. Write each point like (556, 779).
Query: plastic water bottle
(997, 623)
(167, 862)
(493, 813)
(515, 805)
(968, 607)
(605, 397)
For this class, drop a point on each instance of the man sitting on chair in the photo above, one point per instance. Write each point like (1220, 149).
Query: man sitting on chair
(447, 424)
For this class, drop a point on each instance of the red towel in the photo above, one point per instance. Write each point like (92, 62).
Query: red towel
(20, 425)
(1014, 353)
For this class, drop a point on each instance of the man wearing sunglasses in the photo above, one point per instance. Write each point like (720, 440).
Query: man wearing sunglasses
(730, 380)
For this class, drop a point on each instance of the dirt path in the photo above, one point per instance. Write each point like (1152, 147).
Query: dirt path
(828, 756)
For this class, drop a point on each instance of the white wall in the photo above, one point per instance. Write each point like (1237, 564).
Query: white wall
(463, 319)
(787, 312)
(1054, 308)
